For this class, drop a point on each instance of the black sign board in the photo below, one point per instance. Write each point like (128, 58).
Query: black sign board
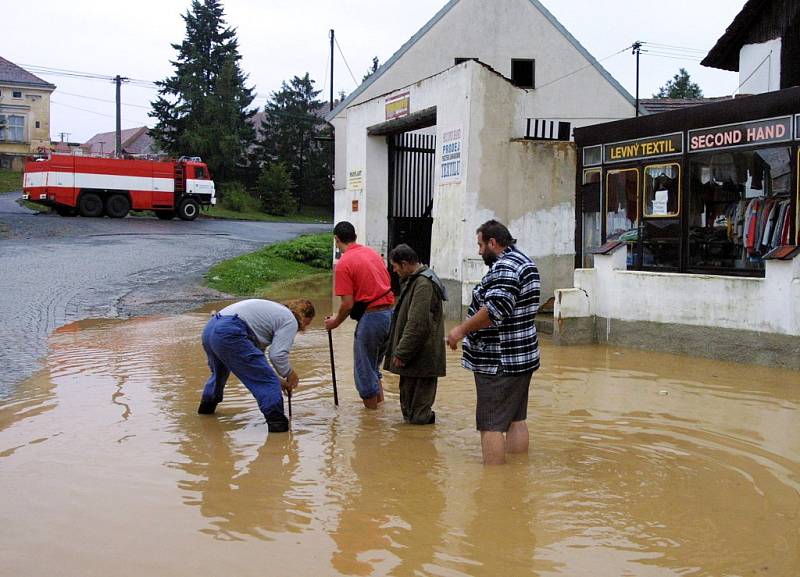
(651, 147)
(766, 131)
(797, 127)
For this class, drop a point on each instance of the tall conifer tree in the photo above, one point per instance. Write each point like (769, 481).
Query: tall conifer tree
(203, 108)
(295, 133)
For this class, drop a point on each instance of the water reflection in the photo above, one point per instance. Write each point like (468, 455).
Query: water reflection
(640, 464)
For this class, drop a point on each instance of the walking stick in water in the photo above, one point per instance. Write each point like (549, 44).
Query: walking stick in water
(333, 370)
(289, 393)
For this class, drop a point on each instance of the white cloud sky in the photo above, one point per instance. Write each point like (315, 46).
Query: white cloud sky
(282, 38)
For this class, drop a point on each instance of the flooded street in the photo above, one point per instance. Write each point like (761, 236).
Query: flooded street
(641, 464)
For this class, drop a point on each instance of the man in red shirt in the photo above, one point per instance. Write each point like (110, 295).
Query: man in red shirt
(362, 277)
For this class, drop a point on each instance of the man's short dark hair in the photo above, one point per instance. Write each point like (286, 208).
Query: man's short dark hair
(345, 232)
(404, 253)
(492, 229)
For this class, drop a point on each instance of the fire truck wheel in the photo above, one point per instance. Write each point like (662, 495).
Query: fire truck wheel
(188, 209)
(118, 206)
(90, 204)
(165, 214)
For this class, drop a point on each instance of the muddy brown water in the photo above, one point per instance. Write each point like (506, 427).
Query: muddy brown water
(641, 464)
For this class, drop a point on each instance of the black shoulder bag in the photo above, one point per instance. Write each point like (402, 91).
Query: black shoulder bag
(360, 307)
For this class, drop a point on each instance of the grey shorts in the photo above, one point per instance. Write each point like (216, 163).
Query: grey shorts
(502, 399)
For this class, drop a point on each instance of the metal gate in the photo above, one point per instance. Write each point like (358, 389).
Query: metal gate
(411, 166)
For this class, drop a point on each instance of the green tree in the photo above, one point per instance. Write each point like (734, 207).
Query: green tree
(295, 133)
(680, 86)
(203, 108)
(275, 190)
(372, 69)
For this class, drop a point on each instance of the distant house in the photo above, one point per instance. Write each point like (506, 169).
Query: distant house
(135, 141)
(24, 114)
(657, 105)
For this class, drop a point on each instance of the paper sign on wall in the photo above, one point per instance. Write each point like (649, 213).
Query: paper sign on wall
(451, 166)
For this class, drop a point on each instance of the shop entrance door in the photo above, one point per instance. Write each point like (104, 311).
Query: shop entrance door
(411, 167)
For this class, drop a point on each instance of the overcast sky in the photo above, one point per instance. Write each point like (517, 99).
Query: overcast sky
(282, 38)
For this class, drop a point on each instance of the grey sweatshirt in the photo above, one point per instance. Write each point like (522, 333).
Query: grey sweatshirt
(273, 325)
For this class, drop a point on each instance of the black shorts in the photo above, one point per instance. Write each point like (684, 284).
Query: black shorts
(502, 399)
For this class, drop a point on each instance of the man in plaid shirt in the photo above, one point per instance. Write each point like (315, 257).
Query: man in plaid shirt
(500, 343)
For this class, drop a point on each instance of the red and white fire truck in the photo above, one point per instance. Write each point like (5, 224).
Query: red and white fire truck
(92, 186)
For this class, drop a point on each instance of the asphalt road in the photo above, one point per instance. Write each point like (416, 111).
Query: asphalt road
(55, 270)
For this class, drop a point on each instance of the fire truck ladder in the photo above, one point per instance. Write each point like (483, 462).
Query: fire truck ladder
(179, 180)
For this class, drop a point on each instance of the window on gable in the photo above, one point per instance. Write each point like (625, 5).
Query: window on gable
(16, 94)
(523, 72)
(459, 60)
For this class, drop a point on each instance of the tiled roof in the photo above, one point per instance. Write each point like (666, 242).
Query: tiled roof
(656, 105)
(134, 141)
(10, 73)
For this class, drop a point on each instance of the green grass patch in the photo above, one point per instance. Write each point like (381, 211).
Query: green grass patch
(10, 181)
(255, 273)
(306, 214)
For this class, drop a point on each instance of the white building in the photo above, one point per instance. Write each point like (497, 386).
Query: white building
(470, 120)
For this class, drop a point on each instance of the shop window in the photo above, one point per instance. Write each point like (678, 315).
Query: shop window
(661, 229)
(662, 190)
(523, 72)
(739, 207)
(622, 208)
(591, 221)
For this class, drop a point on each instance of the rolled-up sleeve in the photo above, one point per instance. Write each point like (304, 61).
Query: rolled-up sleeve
(502, 290)
(282, 342)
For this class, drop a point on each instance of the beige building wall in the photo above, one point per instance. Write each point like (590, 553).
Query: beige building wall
(34, 107)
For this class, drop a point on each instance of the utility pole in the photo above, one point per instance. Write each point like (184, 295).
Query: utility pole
(118, 81)
(332, 37)
(64, 135)
(637, 47)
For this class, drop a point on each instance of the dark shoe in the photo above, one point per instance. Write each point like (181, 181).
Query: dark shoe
(277, 424)
(207, 407)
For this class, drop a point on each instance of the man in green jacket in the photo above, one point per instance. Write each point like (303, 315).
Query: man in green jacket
(416, 349)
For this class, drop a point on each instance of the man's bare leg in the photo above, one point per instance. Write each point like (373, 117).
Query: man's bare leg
(380, 390)
(371, 402)
(493, 444)
(517, 438)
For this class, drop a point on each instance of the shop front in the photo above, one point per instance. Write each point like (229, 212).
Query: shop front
(687, 232)
(713, 189)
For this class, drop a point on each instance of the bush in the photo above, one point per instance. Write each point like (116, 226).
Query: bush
(235, 197)
(275, 190)
(314, 250)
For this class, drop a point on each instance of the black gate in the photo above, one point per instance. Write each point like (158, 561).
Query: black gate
(411, 165)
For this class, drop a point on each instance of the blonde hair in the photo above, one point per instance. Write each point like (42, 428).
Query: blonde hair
(301, 309)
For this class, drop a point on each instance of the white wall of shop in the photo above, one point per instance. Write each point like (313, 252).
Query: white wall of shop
(770, 304)
(760, 67)
(528, 185)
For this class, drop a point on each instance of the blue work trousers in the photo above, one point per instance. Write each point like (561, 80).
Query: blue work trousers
(369, 346)
(230, 348)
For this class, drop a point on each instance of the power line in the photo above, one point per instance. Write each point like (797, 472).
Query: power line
(83, 109)
(676, 48)
(590, 64)
(102, 100)
(345, 61)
